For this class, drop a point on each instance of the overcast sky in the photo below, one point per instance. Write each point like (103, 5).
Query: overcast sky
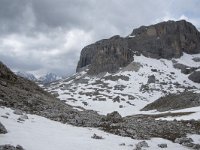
(40, 36)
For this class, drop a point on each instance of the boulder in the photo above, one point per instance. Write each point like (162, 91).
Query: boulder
(142, 144)
(116, 99)
(162, 145)
(183, 140)
(95, 136)
(184, 69)
(195, 76)
(113, 117)
(151, 79)
(18, 112)
(196, 59)
(10, 147)
(2, 129)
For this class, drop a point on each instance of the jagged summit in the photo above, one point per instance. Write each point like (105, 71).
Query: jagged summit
(163, 40)
(48, 78)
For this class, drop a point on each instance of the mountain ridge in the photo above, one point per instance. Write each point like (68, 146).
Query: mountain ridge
(45, 79)
(163, 40)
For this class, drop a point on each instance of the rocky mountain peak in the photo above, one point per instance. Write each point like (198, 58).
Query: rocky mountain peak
(163, 40)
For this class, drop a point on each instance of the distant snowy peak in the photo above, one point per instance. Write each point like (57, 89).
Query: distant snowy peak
(49, 77)
(26, 75)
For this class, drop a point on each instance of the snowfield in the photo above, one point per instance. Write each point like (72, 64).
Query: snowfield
(39, 133)
(132, 87)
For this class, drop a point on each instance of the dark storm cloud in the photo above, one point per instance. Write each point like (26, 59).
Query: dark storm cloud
(47, 35)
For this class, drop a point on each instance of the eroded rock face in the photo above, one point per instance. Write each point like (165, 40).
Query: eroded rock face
(163, 40)
(106, 55)
(166, 39)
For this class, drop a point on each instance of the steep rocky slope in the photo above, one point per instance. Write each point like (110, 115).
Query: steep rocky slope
(163, 40)
(19, 93)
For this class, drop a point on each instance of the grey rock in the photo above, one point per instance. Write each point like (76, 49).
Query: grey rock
(195, 76)
(3, 83)
(188, 144)
(183, 140)
(142, 144)
(119, 87)
(151, 79)
(2, 129)
(175, 101)
(7, 147)
(106, 55)
(116, 99)
(116, 78)
(162, 145)
(196, 59)
(23, 117)
(113, 117)
(166, 39)
(196, 146)
(95, 136)
(122, 144)
(19, 147)
(20, 120)
(10, 147)
(18, 112)
(4, 116)
(184, 69)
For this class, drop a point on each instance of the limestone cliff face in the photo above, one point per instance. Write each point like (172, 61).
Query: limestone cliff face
(106, 55)
(163, 40)
(166, 39)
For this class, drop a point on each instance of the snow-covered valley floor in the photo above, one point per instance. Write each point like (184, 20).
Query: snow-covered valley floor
(39, 133)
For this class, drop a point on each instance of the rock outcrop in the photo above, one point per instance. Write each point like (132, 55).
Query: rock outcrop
(175, 101)
(106, 55)
(2, 129)
(195, 76)
(163, 40)
(166, 39)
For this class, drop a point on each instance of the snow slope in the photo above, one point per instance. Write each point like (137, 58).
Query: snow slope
(128, 87)
(38, 133)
